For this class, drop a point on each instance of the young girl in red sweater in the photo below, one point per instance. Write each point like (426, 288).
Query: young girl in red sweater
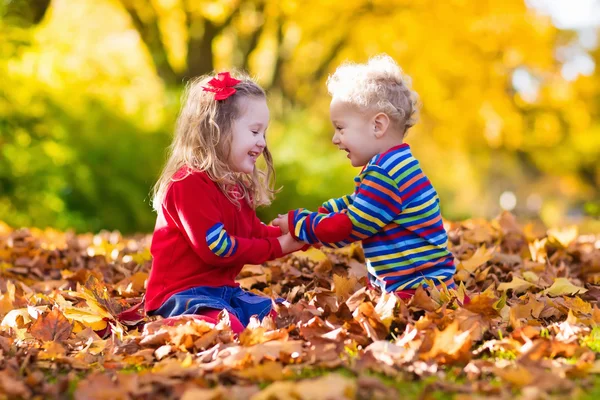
(207, 229)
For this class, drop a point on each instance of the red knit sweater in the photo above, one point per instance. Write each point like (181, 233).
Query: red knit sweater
(202, 239)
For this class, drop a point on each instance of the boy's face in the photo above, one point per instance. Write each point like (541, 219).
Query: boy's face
(354, 132)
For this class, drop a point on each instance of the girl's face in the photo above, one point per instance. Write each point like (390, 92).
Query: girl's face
(248, 134)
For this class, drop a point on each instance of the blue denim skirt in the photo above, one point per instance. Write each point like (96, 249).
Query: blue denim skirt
(238, 302)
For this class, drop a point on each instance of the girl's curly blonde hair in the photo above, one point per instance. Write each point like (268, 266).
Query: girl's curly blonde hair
(202, 142)
(378, 85)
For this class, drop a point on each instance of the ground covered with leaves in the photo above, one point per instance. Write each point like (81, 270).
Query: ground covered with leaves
(522, 323)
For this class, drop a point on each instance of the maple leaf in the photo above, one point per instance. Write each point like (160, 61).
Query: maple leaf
(344, 286)
(53, 326)
(422, 301)
(367, 317)
(480, 257)
(449, 345)
(517, 284)
(561, 287)
(332, 386)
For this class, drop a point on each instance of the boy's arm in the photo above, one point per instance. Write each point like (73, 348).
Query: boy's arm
(337, 205)
(376, 203)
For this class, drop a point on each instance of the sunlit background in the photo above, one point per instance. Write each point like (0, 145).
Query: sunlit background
(89, 90)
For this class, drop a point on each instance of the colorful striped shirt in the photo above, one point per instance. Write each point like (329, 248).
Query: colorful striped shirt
(395, 212)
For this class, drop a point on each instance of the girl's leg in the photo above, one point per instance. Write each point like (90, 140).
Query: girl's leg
(236, 325)
(212, 317)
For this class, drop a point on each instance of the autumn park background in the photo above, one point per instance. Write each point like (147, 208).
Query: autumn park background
(90, 90)
(509, 134)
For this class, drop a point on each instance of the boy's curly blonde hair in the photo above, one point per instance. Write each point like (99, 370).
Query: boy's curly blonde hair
(379, 85)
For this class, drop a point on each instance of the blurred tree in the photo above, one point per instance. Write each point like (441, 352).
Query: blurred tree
(25, 13)
(86, 81)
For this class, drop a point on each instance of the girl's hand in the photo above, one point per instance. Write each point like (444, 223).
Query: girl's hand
(289, 244)
(282, 222)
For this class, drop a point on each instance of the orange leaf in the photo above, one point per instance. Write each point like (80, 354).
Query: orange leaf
(53, 326)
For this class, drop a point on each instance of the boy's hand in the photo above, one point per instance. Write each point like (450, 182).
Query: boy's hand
(289, 244)
(282, 222)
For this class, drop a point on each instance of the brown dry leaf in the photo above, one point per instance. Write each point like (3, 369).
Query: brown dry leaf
(366, 316)
(483, 304)
(318, 257)
(422, 301)
(344, 287)
(53, 326)
(531, 309)
(329, 387)
(517, 375)
(12, 386)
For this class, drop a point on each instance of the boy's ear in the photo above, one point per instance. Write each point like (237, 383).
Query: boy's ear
(381, 122)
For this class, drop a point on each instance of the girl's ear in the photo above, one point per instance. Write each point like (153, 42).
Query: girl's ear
(381, 122)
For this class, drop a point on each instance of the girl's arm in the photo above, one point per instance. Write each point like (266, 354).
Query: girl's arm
(192, 204)
(260, 230)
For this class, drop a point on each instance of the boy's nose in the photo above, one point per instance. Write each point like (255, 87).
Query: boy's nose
(335, 139)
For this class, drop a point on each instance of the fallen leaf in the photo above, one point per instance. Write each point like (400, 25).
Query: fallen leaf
(480, 257)
(561, 287)
(517, 284)
(53, 326)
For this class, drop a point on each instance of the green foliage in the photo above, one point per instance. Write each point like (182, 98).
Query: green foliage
(593, 339)
(90, 91)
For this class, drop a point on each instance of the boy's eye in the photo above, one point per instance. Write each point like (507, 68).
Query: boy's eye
(255, 132)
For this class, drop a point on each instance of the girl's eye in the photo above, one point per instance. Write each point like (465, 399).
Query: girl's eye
(255, 132)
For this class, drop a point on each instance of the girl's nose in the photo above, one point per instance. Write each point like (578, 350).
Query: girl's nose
(262, 142)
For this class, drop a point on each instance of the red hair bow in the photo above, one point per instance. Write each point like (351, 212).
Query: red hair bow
(222, 86)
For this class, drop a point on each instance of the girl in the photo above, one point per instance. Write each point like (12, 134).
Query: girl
(207, 229)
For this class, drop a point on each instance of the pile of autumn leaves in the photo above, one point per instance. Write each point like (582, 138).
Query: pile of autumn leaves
(521, 321)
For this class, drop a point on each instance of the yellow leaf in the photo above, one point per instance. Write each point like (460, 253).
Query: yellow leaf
(561, 287)
(86, 317)
(576, 304)
(564, 236)
(517, 284)
(518, 375)
(52, 350)
(315, 255)
(267, 371)
(531, 276)
(480, 257)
